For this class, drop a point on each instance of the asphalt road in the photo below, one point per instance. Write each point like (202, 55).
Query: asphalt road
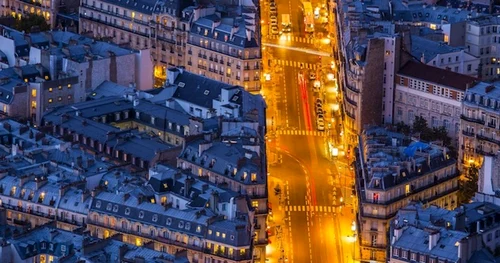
(312, 184)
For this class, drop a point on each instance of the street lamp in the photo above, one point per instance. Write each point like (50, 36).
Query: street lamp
(330, 76)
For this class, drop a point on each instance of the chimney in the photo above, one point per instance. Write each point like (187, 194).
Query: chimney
(214, 201)
(39, 182)
(90, 162)
(79, 161)
(187, 185)
(122, 251)
(7, 126)
(203, 147)
(126, 197)
(204, 188)
(85, 195)
(172, 74)
(207, 136)
(63, 189)
(433, 239)
(398, 232)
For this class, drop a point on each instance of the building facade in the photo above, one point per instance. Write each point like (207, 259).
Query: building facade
(391, 171)
(479, 124)
(432, 93)
(482, 36)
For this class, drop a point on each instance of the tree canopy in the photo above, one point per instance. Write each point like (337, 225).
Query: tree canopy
(31, 23)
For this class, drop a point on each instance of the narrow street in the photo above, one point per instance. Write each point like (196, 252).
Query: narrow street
(313, 207)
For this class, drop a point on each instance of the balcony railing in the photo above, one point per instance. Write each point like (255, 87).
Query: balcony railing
(468, 133)
(483, 152)
(236, 255)
(190, 52)
(492, 125)
(471, 119)
(238, 66)
(484, 138)
(246, 79)
(200, 55)
(246, 68)
(115, 25)
(352, 102)
(234, 53)
(112, 13)
(28, 211)
(351, 115)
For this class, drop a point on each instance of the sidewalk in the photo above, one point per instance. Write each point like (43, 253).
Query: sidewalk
(277, 249)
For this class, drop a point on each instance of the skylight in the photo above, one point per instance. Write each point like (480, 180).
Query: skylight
(235, 98)
(206, 92)
(181, 84)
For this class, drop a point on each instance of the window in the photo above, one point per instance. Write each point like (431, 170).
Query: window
(51, 100)
(115, 208)
(209, 231)
(414, 256)
(59, 87)
(422, 258)
(255, 204)
(188, 226)
(223, 235)
(198, 229)
(98, 204)
(404, 254)
(59, 98)
(217, 234)
(395, 252)
(141, 214)
(155, 218)
(169, 221)
(127, 211)
(109, 207)
(69, 97)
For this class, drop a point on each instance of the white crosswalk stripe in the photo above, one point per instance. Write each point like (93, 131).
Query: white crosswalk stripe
(295, 64)
(292, 39)
(306, 208)
(300, 133)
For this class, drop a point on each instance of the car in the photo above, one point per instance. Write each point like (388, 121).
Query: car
(320, 116)
(319, 111)
(317, 84)
(274, 30)
(320, 127)
(312, 76)
(319, 105)
(272, 8)
(318, 100)
(274, 19)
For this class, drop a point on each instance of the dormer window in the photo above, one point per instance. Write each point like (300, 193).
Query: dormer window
(98, 204)
(245, 174)
(188, 226)
(198, 229)
(206, 32)
(109, 207)
(155, 218)
(254, 177)
(152, 120)
(212, 163)
(115, 208)
(376, 183)
(235, 171)
(141, 214)
(181, 224)
(169, 221)
(127, 211)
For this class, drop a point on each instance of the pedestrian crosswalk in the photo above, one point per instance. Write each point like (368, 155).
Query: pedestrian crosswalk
(306, 208)
(296, 64)
(290, 38)
(300, 132)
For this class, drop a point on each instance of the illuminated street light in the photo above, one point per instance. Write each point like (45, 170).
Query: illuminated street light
(330, 76)
(267, 76)
(353, 226)
(335, 106)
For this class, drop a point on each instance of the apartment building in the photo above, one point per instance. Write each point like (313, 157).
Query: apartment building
(49, 244)
(368, 85)
(171, 125)
(441, 55)
(479, 123)
(470, 233)
(227, 50)
(391, 170)
(432, 93)
(178, 223)
(483, 41)
(153, 25)
(49, 9)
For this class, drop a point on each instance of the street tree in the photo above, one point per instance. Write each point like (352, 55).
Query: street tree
(468, 185)
(31, 23)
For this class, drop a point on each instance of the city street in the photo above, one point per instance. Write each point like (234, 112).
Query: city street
(310, 188)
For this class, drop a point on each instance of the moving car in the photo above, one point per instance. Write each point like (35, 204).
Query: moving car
(312, 76)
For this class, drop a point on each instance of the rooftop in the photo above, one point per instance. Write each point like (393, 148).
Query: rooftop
(428, 49)
(436, 76)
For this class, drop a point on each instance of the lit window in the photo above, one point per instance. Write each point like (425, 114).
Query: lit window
(69, 86)
(46, 77)
(50, 100)
(60, 87)
(59, 98)
(209, 232)
(25, 80)
(33, 92)
(223, 235)
(198, 229)
(217, 234)
(69, 97)
(50, 89)
(255, 204)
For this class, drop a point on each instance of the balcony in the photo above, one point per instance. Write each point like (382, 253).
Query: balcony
(351, 115)
(202, 67)
(28, 211)
(238, 66)
(246, 68)
(221, 62)
(235, 256)
(352, 102)
(200, 55)
(205, 56)
(468, 133)
(233, 53)
(211, 69)
(246, 79)
(190, 63)
(211, 58)
(112, 13)
(190, 52)
(484, 138)
(483, 152)
(228, 64)
(238, 78)
(216, 60)
(352, 88)
(221, 73)
(470, 119)
(256, 67)
(228, 75)
(256, 78)
(492, 125)
(115, 25)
